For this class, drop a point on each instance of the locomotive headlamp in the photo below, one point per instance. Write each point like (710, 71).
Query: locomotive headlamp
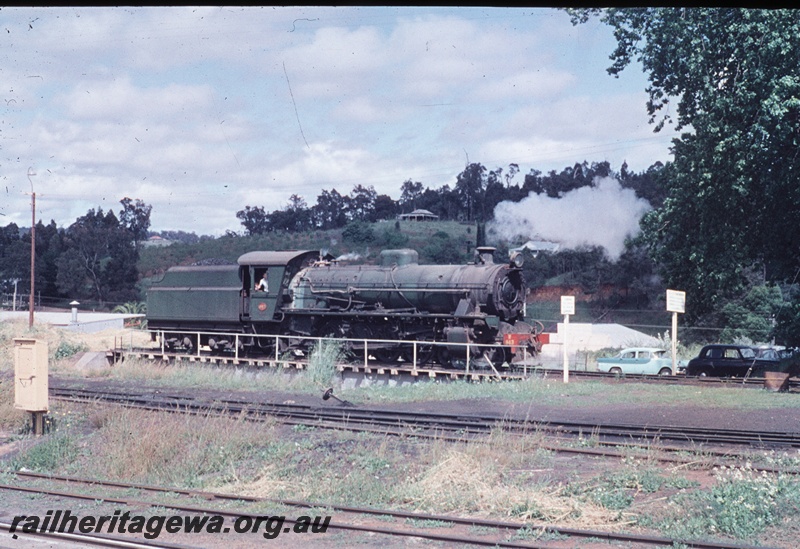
(517, 260)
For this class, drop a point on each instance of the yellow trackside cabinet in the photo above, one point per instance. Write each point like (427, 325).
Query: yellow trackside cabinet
(30, 375)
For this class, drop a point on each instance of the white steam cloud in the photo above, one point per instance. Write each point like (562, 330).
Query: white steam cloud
(352, 256)
(602, 215)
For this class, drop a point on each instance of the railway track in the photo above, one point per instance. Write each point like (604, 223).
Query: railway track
(462, 425)
(446, 528)
(480, 371)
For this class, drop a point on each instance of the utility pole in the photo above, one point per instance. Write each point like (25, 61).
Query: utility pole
(33, 247)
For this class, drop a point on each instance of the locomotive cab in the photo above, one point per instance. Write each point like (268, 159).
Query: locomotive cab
(262, 302)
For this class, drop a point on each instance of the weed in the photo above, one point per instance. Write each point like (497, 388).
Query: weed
(478, 530)
(615, 499)
(10, 417)
(538, 534)
(617, 491)
(741, 504)
(48, 454)
(67, 349)
(428, 523)
(384, 518)
(322, 362)
(471, 479)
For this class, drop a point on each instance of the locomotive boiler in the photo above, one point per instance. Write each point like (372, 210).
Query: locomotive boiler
(390, 305)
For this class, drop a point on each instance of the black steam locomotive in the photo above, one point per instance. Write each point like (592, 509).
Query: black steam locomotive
(391, 305)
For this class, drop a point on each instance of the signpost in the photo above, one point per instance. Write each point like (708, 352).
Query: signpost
(567, 308)
(676, 303)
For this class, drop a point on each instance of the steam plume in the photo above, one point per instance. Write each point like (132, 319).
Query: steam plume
(602, 215)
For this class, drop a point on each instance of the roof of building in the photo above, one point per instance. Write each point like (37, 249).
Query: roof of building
(420, 213)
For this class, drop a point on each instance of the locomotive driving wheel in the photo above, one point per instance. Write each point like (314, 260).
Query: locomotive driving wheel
(450, 359)
(338, 330)
(425, 353)
(388, 355)
(384, 351)
(497, 355)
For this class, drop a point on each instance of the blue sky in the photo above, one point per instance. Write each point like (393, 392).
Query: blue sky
(200, 112)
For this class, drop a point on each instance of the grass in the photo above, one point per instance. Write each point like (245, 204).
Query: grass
(584, 393)
(11, 419)
(321, 373)
(504, 476)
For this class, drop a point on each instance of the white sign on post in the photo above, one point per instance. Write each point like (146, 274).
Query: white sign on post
(676, 301)
(567, 308)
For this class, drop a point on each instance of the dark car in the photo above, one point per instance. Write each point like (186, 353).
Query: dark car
(722, 360)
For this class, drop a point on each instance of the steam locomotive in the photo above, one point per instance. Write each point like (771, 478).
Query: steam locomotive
(391, 305)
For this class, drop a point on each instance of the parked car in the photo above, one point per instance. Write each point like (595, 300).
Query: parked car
(638, 360)
(724, 360)
(785, 359)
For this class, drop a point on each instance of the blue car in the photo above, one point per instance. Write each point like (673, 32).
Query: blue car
(638, 360)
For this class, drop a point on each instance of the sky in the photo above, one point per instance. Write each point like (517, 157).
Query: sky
(201, 111)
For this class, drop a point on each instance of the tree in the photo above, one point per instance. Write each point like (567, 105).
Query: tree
(362, 203)
(410, 191)
(330, 211)
(300, 213)
(99, 261)
(648, 185)
(13, 265)
(750, 318)
(135, 217)
(470, 187)
(734, 186)
(494, 193)
(384, 207)
(254, 220)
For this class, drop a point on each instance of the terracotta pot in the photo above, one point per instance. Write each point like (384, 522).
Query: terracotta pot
(776, 381)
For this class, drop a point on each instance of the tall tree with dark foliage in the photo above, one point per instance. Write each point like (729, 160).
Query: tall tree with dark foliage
(730, 78)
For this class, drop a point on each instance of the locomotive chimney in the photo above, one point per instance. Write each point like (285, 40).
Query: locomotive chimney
(485, 255)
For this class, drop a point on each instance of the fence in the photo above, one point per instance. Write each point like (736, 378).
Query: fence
(286, 348)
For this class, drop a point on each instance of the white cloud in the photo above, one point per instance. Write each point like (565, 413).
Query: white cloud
(190, 110)
(119, 99)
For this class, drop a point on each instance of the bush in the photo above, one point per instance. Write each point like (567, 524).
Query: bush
(359, 233)
(67, 349)
(393, 239)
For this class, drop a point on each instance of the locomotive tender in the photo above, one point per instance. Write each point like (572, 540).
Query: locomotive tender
(395, 303)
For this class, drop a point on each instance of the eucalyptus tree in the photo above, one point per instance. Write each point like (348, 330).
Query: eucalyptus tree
(99, 259)
(254, 219)
(470, 188)
(330, 211)
(361, 203)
